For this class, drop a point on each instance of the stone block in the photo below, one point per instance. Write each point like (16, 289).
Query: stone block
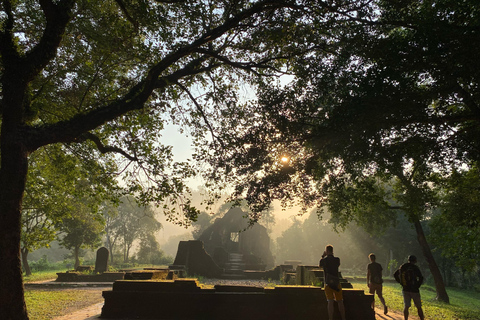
(185, 300)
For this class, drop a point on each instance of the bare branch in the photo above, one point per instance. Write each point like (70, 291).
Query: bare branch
(103, 148)
(204, 116)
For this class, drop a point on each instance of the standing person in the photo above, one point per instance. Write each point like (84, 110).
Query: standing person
(410, 277)
(333, 288)
(374, 281)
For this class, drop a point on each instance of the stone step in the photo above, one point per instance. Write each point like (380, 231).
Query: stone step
(234, 267)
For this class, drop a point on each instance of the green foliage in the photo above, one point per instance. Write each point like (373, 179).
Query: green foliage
(454, 229)
(149, 252)
(129, 222)
(44, 264)
(306, 241)
(57, 179)
(393, 265)
(82, 228)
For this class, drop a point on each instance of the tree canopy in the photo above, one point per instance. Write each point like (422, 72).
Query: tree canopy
(385, 94)
(129, 223)
(109, 74)
(371, 119)
(54, 184)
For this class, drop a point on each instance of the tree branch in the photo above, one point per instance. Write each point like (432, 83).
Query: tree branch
(103, 148)
(58, 16)
(69, 130)
(122, 6)
(200, 109)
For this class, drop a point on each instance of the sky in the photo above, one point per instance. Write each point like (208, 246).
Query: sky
(182, 151)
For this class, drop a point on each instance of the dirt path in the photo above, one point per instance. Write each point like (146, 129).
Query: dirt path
(88, 313)
(93, 312)
(391, 315)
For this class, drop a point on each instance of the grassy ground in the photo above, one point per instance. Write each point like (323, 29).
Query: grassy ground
(43, 304)
(464, 305)
(42, 275)
(47, 304)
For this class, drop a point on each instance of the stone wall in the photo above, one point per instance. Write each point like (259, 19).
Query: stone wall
(196, 260)
(80, 277)
(186, 300)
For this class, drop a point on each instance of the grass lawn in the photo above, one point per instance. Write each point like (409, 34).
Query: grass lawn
(47, 304)
(42, 275)
(464, 305)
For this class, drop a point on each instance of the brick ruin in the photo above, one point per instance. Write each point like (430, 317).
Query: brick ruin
(232, 235)
(185, 299)
(227, 249)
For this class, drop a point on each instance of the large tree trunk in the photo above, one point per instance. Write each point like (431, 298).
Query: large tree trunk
(13, 173)
(26, 266)
(437, 275)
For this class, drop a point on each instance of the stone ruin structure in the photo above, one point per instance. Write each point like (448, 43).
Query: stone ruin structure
(195, 261)
(98, 274)
(227, 248)
(231, 236)
(222, 248)
(187, 300)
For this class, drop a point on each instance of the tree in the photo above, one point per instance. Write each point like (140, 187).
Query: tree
(111, 238)
(292, 244)
(81, 230)
(127, 223)
(455, 228)
(203, 222)
(53, 177)
(306, 241)
(149, 252)
(106, 74)
(368, 123)
(82, 224)
(131, 223)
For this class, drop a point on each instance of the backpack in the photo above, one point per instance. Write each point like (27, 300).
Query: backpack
(406, 276)
(332, 281)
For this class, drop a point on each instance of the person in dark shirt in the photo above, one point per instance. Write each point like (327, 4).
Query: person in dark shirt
(333, 288)
(410, 277)
(375, 280)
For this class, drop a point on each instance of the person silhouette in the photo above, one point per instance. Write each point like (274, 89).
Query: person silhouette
(333, 288)
(375, 281)
(411, 278)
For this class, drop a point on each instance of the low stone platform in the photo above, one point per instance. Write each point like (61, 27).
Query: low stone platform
(80, 277)
(153, 274)
(185, 299)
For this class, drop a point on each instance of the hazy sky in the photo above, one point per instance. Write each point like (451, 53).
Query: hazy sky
(182, 151)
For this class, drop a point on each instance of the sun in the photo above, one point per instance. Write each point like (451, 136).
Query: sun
(284, 159)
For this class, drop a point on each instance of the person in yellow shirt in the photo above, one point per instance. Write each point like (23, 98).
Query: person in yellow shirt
(333, 288)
